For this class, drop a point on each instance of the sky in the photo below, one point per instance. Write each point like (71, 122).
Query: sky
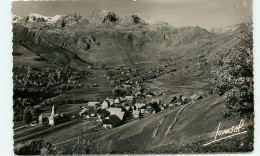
(203, 13)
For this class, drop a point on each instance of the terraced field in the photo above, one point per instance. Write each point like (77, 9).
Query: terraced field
(60, 134)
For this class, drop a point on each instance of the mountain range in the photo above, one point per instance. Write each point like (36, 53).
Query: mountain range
(107, 38)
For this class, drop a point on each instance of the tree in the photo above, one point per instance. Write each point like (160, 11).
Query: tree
(119, 92)
(37, 147)
(142, 90)
(233, 75)
(86, 145)
(27, 116)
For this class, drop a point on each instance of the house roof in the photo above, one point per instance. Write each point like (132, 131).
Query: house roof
(106, 101)
(162, 106)
(83, 111)
(45, 115)
(115, 119)
(129, 97)
(107, 121)
(110, 99)
(184, 98)
(155, 107)
(139, 105)
(116, 111)
(156, 100)
(194, 96)
(127, 107)
(174, 99)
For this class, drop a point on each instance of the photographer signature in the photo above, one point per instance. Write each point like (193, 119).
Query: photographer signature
(230, 132)
(243, 5)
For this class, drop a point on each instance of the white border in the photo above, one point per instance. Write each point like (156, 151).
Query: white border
(6, 132)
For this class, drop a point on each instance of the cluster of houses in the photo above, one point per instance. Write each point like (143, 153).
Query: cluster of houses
(113, 112)
(183, 100)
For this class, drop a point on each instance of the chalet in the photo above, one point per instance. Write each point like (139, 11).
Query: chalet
(139, 94)
(150, 94)
(139, 105)
(102, 113)
(195, 97)
(155, 107)
(136, 113)
(105, 104)
(162, 107)
(93, 115)
(111, 101)
(119, 105)
(84, 112)
(171, 104)
(127, 107)
(184, 99)
(143, 108)
(121, 99)
(43, 118)
(54, 120)
(117, 100)
(99, 120)
(173, 100)
(179, 103)
(111, 122)
(158, 101)
(126, 85)
(117, 111)
(139, 87)
(129, 98)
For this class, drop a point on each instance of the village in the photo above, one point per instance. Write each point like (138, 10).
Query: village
(113, 112)
(128, 101)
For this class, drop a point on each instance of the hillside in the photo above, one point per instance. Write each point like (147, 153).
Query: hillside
(181, 130)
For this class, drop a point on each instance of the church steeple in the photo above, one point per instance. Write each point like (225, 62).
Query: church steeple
(53, 111)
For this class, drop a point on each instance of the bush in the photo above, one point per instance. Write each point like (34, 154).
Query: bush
(233, 76)
(37, 147)
(86, 145)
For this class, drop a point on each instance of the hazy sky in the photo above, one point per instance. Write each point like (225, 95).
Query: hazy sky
(203, 13)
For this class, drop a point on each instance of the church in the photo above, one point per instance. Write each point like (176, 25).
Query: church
(52, 118)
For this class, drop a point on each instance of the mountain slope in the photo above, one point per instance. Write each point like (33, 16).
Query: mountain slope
(107, 38)
(33, 41)
(180, 130)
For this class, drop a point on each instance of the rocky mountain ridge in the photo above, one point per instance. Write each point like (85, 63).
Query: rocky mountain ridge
(104, 37)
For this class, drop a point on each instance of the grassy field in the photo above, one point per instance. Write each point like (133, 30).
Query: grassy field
(93, 93)
(102, 91)
(57, 135)
(174, 86)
